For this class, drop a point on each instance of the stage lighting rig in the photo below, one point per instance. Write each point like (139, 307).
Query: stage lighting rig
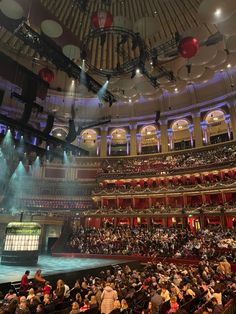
(50, 51)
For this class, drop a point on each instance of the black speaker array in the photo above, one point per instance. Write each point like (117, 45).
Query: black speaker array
(49, 125)
(71, 136)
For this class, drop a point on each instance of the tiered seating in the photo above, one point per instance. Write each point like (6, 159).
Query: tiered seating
(57, 204)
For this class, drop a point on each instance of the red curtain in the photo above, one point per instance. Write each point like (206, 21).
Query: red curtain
(229, 222)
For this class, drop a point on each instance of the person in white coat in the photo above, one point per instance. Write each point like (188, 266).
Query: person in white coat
(108, 297)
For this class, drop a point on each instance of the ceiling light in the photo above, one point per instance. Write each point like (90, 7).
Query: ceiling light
(215, 118)
(218, 12)
(180, 127)
(148, 132)
(118, 135)
(59, 134)
(137, 71)
(130, 100)
(176, 89)
(228, 65)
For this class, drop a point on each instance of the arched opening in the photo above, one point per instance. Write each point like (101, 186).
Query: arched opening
(149, 139)
(218, 126)
(182, 136)
(118, 142)
(87, 140)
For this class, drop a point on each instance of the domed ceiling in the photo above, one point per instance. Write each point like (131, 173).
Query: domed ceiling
(166, 80)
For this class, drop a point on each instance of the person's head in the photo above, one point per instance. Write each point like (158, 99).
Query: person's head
(60, 283)
(23, 299)
(116, 304)
(11, 291)
(84, 285)
(75, 306)
(39, 308)
(78, 297)
(124, 304)
(23, 305)
(173, 300)
(47, 283)
(86, 301)
(31, 291)
(27, 272)
(46, 299)
(93, 299)
(214, 301)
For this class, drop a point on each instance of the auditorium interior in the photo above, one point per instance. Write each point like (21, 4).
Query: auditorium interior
(118, 154)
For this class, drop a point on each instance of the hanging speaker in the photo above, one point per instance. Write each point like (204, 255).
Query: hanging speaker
(158, 114)
(71, 136)
(49, 125)
(26, 113)
(29, 89)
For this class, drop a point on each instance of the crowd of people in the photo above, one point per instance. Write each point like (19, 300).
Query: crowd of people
(154, 288)
(153, 242)
(164, 164)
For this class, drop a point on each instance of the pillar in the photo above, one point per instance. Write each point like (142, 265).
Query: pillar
(108, 146)
(133, 142)
(103, 144)
(128, 136)
(158, 135)
(139, 143)
(197, 131)
(98, 145)
(191, 129)
(204, 127)
(170, 139)
(164, 138)
(227, 121)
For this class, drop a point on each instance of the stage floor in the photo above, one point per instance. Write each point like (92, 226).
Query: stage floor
(53, 265)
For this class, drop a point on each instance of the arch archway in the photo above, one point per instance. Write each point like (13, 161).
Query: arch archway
(182, 135)
(149, 139)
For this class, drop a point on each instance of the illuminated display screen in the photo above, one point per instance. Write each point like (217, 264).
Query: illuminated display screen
(21, 242)
(22, 237)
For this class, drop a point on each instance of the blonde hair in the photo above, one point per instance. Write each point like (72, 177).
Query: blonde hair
(116, 304)
(173, 299)
(75, 306)
(124, 304)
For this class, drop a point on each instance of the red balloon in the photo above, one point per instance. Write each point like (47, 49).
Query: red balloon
(101, 19)
(188, 47)
(46, 75)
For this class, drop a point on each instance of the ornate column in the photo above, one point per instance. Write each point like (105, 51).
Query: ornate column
(197, 131)
(204, 126)
(98, 143)
(170, 139)
(227, 121)
(109, 139)
(164, 138)
(103, 144)
(139, 143)
(133, 141)
(191, 129)
(158, 135)
(128, 138)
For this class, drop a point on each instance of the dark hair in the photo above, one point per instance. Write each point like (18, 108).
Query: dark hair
(27, 272)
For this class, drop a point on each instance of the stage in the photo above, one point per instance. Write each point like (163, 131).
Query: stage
(51, 266)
